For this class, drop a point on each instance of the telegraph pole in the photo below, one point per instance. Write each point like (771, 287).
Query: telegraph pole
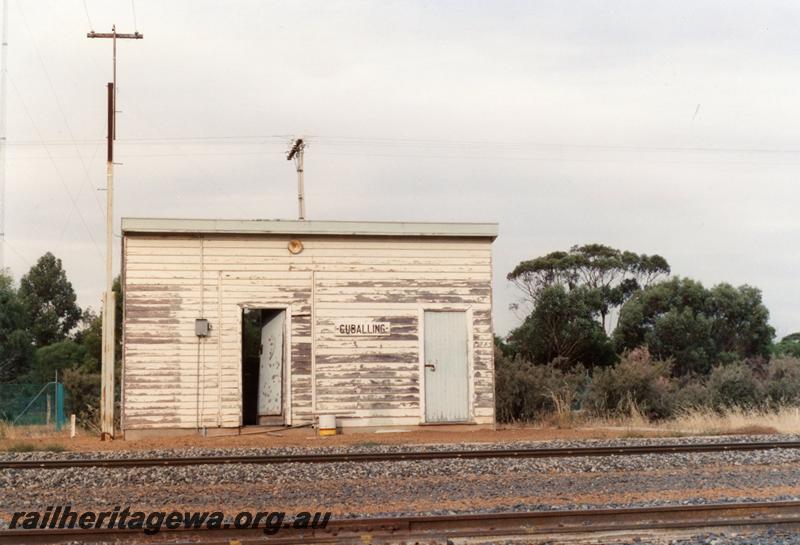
(109, 307)
(296, 153)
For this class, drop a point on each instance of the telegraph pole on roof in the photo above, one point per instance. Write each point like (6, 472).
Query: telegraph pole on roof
(296, 153)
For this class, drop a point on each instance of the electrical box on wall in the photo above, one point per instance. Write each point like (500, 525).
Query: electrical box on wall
(201, 327)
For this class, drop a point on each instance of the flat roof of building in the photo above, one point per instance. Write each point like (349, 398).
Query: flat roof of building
(312, 227)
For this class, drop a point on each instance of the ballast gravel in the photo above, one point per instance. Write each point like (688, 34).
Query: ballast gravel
(373, 447)
(399, 471)
(446, 486)
(769, 536)
(441, 487)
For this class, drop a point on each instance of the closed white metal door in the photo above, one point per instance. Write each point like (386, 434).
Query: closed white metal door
(270, 371)
(446, 367)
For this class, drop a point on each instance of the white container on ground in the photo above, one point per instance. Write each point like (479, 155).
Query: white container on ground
(327, 424)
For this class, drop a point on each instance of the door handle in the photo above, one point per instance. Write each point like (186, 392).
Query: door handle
(431, 366)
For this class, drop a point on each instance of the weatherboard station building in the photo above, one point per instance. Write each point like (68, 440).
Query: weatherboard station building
(236, 323)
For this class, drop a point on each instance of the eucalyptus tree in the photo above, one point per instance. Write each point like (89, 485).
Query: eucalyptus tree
(613, 274)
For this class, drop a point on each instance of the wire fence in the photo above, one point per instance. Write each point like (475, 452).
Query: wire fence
(33, 404)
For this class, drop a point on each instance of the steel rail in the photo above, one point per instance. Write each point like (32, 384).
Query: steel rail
(748, 515)
(544, 452)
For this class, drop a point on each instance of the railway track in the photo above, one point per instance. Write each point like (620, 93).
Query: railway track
(566, 526)
(545, 452)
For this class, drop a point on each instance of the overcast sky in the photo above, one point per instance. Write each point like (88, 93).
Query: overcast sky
(657, 127)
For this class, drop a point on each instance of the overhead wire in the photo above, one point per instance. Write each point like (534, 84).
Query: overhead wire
(55, 165)
(215, 146)
(204, 175)
(154, 126)
(17, 253)
(88, 18)
(69, 216)
(427, 142)
(133, 9)
(87, 177)
(405, 143)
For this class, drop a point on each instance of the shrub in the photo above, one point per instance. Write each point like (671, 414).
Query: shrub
(782, 381)
(691, 393)
(637, 383)
(526, 391)
(84, 397)
(734, 385)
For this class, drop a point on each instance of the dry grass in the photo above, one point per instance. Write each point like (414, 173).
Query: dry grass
(704, 421)
(736, 421)
(563, 418)
(9, 431)
(632, 422)
(700, 421)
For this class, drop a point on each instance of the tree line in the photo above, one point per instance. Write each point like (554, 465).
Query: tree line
(602, 328)
(44, 331)
(599, 314)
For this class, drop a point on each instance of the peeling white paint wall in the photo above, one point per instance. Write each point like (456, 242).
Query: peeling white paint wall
(174, 380)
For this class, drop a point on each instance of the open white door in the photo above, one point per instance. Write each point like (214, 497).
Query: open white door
(270, 373)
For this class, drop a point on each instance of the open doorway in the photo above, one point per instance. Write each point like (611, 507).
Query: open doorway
(263, 355)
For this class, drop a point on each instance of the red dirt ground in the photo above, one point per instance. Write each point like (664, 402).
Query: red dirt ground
(307, 438)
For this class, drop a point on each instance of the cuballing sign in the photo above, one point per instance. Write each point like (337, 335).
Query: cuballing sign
(361, 328)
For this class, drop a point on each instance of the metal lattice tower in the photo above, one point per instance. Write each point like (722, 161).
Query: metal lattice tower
(3, 140)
